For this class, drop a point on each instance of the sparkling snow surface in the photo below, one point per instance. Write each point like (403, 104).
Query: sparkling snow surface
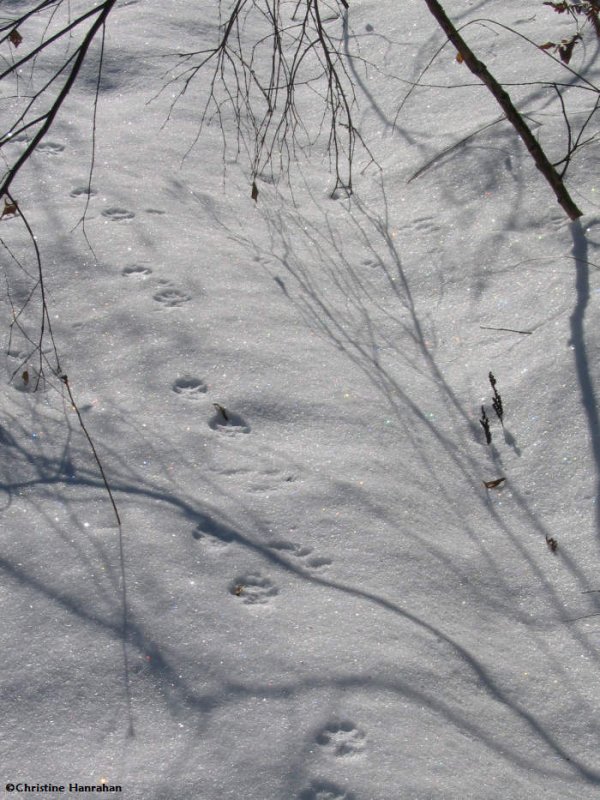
(323, 602)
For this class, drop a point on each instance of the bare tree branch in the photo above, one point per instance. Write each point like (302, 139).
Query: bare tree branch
(479, 69)
(266, 81)
(48, 118)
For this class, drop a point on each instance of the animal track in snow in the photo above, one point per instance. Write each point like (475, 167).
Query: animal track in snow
(253, 589)
(50, 148)
(29, 380)
(214, 539)
(136, 271)
(211, 533)
(271, 480)
(24, 377)
(371, 262)
(83, 191)
(342, 738)
(115, 214)
(259, 481)
(158, 211)
(189, 387)
(557, 222)
(323, 790)
(305, 555)
(20, 137)
(170, 297)
(423, 225)
(228, 422)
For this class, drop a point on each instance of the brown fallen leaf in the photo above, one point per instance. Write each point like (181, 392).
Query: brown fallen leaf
(493, 484)
(222, 411)
(15, 38)
(10, 209)
(254, 194)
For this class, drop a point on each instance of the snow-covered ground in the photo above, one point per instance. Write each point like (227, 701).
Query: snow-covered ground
(315, 598)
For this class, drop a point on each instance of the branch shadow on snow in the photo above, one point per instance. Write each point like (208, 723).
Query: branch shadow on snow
(389, 346)
(48, 475)
(380, 331)
(180, 696)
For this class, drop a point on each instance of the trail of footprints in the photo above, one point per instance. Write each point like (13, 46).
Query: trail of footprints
(224, 421)
(339, 739)
(188, 387)
(252, 588)
(111, 213)
(167, 295)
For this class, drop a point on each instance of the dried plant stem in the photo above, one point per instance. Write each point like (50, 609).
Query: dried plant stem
(65, 380)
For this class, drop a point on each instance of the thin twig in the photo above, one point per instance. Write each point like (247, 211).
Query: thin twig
(510, 330)
(452, 147)
(65, 380)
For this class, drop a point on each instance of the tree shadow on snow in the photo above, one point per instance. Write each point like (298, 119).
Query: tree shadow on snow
(42, 476)
(582, 364)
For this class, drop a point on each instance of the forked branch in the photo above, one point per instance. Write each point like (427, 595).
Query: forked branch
(270, 83)
(74, 64)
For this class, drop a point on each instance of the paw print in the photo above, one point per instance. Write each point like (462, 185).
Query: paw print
(324, 790)
(342, 738)
(304, 555)
(253, 589)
